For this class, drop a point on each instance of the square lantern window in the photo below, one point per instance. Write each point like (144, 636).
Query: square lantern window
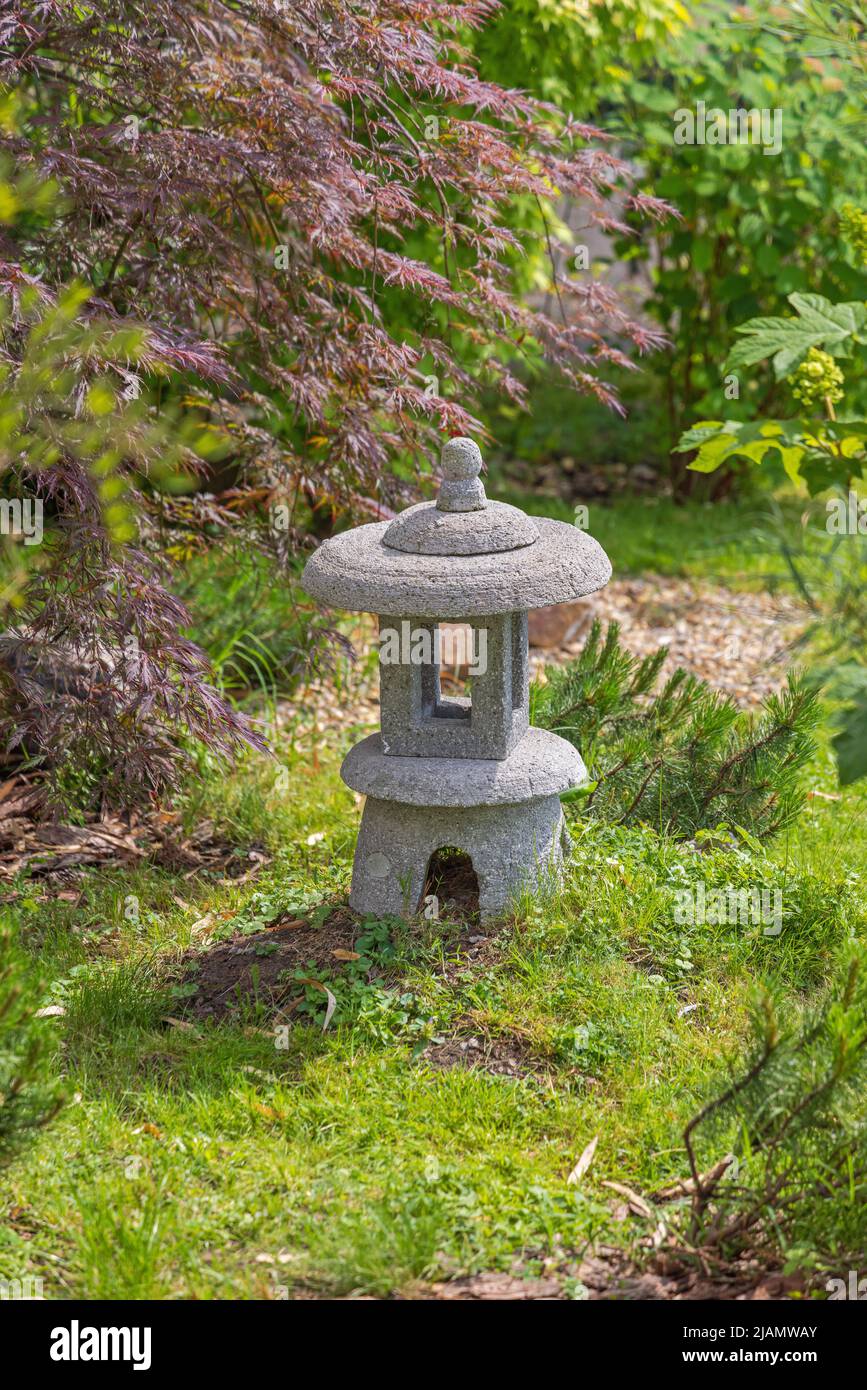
(420, 719)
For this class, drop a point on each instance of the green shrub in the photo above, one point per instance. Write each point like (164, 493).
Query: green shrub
(755, 227)
(575, 55)
(819, 353)
(792, 1113)
(684, 759)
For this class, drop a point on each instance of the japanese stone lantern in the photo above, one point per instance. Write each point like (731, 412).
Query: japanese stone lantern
(466, 773)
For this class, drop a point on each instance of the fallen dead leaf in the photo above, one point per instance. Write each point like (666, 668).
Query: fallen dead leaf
(280, 924)
(659, 1235)
(637, 1203)
(204, 926)
(242, 878)
(583, 1163)
(7, 786)
(332, 1002)
(182, 1023)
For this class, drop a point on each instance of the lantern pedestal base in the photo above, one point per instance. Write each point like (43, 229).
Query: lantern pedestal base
(513, 847)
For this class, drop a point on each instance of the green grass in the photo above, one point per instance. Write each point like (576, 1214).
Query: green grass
(228, 1161)
(211, 1162)
(722, 542)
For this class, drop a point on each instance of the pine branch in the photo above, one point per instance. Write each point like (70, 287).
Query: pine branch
(685, 743)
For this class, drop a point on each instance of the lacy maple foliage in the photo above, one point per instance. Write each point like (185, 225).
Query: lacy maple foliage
(310, 208)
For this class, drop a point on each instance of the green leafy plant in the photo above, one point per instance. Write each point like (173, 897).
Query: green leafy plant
(804, 351)
(357, 995)
(795, 1182)
(684, 758)
(755, 225)
(825, 450)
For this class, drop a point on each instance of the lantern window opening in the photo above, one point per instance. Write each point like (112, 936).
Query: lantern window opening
(456, 653)
(456, 702)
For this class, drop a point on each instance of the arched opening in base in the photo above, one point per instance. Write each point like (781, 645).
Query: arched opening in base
(451, 888)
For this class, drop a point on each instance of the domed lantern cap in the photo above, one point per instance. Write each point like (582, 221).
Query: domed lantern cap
(462, 556)
(462, 521)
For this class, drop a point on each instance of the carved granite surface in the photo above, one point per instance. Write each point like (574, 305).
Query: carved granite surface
(512, 848)
(540, 765)
(464, 772)
(358, 572)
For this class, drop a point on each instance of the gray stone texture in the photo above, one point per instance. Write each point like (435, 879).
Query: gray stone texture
(461, 487)
(417, 719)
(512, 847)
(540, 765)
(357, 571)
(425, 530)
(467, 559)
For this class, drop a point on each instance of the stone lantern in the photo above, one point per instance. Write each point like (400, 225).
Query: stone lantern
(466, 773)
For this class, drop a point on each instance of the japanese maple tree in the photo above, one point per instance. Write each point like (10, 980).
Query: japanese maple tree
(310, 209)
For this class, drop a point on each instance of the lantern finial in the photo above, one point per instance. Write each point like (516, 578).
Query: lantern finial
(461, 490)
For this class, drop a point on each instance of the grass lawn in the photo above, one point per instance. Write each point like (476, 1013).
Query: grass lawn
(263, 1154)
(726, 543)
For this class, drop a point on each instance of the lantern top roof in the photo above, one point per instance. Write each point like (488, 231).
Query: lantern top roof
(458, 557)
(461, 521)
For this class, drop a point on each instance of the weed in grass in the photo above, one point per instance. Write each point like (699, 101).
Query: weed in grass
(106, 1003)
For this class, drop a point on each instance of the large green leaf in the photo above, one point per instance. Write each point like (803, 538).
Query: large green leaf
(832, 320)
(819, 323)
(720, 440)
(820, 453)
(850, 745)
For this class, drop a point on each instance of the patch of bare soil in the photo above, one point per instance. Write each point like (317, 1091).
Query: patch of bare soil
(261, 967)
(497, 1056)
(611, 1276)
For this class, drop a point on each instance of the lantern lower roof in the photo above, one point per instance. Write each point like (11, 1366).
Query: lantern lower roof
(360, 571)
(542, 764)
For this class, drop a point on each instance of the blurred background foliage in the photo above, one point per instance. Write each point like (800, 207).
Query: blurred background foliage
(575, 52)
(755, 226)
(752, 228)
